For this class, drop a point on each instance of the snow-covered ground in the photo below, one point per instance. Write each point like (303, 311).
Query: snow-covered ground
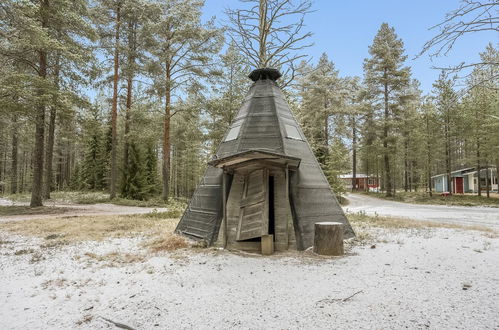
(462, 215)
(416, 279)
(5, 202)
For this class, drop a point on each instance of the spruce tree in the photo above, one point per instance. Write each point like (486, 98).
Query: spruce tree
(134, 179)
(151, 170)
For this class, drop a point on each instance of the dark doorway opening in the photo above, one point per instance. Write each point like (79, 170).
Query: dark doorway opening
(271, 207)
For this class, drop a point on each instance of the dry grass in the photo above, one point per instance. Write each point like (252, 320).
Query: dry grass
(168, 242)
(59, 230)
(26, 210)
(116, 258)
(360, 220)
(457, 199)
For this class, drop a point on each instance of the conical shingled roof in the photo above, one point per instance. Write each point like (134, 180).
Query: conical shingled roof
(265, 123)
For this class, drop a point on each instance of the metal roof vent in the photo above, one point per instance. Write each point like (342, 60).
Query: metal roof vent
(265, 73)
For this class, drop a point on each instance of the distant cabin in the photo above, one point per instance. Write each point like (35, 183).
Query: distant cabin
(363, 182)
(466, 180)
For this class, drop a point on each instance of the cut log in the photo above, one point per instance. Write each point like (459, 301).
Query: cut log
(267, 245)
(328, 238)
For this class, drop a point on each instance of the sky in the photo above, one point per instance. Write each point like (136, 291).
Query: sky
(344, 30)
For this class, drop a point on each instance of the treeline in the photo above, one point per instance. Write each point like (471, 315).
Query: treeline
(133, 96)
(383, 126)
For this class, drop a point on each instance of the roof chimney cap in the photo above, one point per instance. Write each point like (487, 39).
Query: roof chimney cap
(265, 73)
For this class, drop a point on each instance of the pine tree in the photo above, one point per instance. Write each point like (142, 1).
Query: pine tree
(446, 105)
(181, 47)
(230, 86)
(34, 32)
(386, 78)
(321, 99)
(429, 130)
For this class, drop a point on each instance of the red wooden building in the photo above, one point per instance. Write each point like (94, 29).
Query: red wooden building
(362, 182)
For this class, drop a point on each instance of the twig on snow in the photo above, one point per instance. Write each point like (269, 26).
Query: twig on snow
(117, 324)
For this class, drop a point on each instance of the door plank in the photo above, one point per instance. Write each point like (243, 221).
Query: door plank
(254, 218)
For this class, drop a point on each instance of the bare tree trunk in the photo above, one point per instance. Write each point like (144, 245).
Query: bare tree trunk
(386, 158)
(354, 155)
(428, 155)
(47, 188)
(2, 165)
(114, 109)
(36, 191)
(14, 156)
(166, 138)
(128, 107)
(406, 164)
(479, 169)
(263, 33)
(497, 174)
(24, 172)
(131, 41)
(448, 165)
(487, 185)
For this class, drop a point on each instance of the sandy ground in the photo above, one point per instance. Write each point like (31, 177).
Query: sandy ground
(464, 215)
(75, 210)
(415, 279)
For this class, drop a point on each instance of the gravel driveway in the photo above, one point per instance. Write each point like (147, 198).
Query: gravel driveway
(464, 215)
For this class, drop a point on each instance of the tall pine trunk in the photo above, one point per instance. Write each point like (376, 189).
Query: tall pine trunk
(487, 185)
(386, 157)
(406, 164)
(47, 188)
(14, 156)
(166, 137)
(114, 109)
(131, 45)
(36, 190)
(428, 154)
(354, 155)
(479, 169)
(448, 165)
(128, 106)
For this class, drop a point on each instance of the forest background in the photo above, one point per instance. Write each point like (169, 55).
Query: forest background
(132, 97)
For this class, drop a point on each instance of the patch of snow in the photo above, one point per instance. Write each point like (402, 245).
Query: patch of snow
(5, 202)
(432, 278)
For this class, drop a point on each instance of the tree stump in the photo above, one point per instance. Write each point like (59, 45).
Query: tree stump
(328, 238)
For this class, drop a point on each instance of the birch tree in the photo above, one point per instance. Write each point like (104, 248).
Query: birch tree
(472, 16)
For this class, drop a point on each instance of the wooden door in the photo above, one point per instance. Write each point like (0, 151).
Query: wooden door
(254, 212)
(459, 185)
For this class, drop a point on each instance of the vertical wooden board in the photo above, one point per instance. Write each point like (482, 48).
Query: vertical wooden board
(281, 211)
(222, 232)
(253, 216)
(291, 227)
(233, 207)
